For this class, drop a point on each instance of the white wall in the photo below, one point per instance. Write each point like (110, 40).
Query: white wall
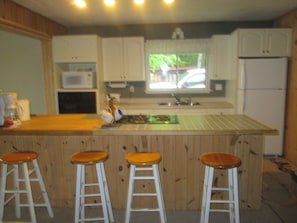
(21, 69)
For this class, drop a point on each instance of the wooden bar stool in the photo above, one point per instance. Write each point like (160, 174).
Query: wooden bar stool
(81, 159)
(144, 162)
(22, 185)
(229, 162)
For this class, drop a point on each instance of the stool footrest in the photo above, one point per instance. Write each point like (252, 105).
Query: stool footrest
(9, 199)
(91, 185)
(145, 194)
(92, 204)
(91, 219)
(220, 189)
(222, 201)
(144, 178)
(16, 191)
(143, 168)
(145, 209)
(90, 195)
(219, 210)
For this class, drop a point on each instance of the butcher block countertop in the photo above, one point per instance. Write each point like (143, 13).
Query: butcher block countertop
(88, 124)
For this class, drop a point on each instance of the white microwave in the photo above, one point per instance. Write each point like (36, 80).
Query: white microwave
(78, 79)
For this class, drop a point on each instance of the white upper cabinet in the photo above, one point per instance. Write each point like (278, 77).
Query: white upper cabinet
(264, 42)
(80, 48)
(123, 59)
(220, 57)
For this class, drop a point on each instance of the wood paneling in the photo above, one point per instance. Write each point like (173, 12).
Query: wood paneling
(180, 169)
(290, 20)
(20, 19)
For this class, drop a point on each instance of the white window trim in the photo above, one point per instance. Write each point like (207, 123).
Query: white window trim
(175, 46)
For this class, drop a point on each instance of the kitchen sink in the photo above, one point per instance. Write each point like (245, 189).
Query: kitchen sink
(149, 119)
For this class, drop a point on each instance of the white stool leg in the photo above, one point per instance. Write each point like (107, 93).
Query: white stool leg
(231, 195)
(16, 181)
(236, 199)
(106, 191)
(43, 189)
(82, 192)
(2, 189)
(29, 192)
(102, 192)
(207, 188)
(77, 193)
(130, 193)
(159, 193)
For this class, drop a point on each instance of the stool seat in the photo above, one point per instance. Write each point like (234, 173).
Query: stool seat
(143, 158)
(18, 157)
(89, 157)
(220, 160)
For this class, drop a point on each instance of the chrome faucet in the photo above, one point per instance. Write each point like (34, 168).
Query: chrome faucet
(177, 99)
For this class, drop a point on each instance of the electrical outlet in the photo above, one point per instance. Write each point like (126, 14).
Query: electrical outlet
(218, 87)
(132, 89)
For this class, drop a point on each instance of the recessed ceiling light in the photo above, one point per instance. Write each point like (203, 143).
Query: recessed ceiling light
(80, 3)
(109, 2)
(168, 1)
(139, 2)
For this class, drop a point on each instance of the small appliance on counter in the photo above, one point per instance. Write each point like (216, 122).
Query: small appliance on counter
(8, 109)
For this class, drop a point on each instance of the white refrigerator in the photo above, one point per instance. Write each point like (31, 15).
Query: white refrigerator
(262, 95)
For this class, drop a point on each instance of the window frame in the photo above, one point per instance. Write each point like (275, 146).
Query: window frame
(176, 47)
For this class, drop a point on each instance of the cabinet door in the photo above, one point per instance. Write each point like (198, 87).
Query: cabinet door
(278, 42)
(264, 43)
(220, 59)
(134, 58)
(75, 48)
(113, 63)
(251, 43)
(123, 59)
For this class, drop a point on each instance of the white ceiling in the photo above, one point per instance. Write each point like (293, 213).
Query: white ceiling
(155, 12)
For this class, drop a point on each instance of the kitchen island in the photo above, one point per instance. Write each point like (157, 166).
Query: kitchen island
(56, 137)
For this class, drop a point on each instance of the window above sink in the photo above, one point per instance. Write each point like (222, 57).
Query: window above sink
(177, 66)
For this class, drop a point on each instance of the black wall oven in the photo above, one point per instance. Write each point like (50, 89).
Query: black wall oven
(77, 102)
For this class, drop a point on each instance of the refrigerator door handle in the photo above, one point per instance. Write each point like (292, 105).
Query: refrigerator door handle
(242, 74)
(242, 84)
(243, 100)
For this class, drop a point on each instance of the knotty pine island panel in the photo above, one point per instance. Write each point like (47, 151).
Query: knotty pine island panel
(180, 169)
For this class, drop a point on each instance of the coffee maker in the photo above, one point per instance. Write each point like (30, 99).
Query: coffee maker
(8, 107)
